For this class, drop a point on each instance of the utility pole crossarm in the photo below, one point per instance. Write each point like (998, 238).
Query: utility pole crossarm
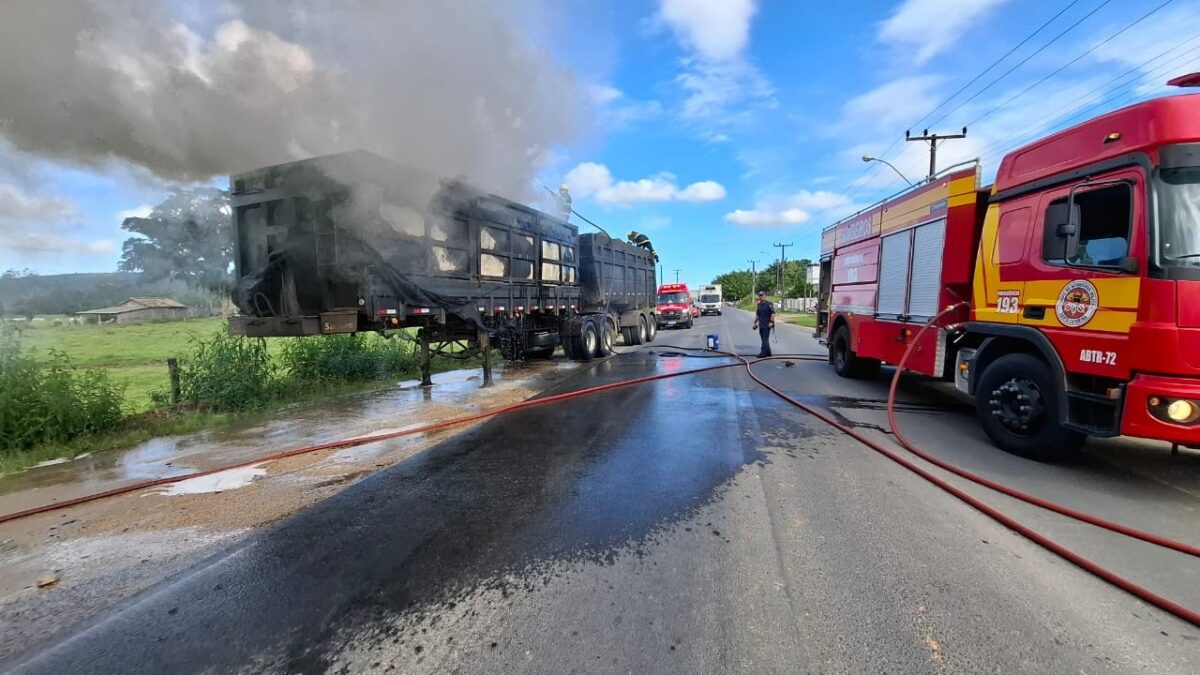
(933, 139)
(782, 267)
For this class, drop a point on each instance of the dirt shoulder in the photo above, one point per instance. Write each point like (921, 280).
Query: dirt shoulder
(66, 566)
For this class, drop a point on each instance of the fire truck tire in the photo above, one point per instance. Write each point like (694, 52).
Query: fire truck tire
(845, 362)
(588, 342)
(1017, 403)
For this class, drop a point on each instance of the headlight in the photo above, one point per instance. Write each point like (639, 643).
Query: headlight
(1174, 410)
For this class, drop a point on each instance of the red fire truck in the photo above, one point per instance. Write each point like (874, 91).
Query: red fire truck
(1074, 282)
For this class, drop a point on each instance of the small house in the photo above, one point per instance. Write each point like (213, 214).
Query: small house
(136, 310)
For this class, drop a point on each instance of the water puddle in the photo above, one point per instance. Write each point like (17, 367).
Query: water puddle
(214, 482)
(403, 405)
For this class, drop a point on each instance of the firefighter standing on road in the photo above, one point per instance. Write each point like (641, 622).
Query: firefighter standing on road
(764, 323)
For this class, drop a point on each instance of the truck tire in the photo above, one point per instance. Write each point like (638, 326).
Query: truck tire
(568, 347)
(1017, 404)
(588, 341)
(608, 338)
(639, 331)
(627, 335)
(651, 329)
(845, 362)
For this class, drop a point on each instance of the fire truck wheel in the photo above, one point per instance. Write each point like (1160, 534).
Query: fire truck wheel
(589, 342)
(1017, 402)
(845, 362)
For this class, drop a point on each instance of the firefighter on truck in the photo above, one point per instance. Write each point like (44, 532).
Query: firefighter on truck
(1065, 298)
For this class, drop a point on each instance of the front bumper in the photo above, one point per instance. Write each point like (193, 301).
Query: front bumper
(1136, 419)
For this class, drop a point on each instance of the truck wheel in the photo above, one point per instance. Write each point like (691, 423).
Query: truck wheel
(589, 342)
(639, 331)
(608, 338)
(845, 362)
(627, 335)
(651, 329)
(568, 347)
(1017, 403)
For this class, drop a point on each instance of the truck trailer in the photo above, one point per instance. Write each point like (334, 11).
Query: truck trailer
(1065, 297)
(356, 242)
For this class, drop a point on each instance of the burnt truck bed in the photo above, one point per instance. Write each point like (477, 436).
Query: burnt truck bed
(356, 242)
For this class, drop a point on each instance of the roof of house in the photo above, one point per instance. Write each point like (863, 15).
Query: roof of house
(135, 304)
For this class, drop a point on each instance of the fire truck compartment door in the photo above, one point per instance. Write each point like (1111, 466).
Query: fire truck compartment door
(925, 282)
(893, 274)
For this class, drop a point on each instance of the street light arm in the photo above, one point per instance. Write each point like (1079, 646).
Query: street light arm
(868, 158)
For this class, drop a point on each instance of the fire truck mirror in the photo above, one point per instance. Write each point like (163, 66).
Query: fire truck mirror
(1061, 231)
(1128, 265)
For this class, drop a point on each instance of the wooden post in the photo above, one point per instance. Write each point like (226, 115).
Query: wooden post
(485, 345)
(173, 369)
(426, 375)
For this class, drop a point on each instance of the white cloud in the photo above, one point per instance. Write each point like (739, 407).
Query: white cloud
(30, 224)
(795, 209)
(891, 106)
(590, 179)
(615, 110)
(717, 30)
(720, 84)
(932, 26)
(142, 211)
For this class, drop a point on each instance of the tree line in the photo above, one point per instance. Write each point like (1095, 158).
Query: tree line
(792, 283)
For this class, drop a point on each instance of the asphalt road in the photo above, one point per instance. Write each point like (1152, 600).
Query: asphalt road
(694, 524)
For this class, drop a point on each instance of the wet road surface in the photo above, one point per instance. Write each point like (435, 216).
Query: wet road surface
(694, 524)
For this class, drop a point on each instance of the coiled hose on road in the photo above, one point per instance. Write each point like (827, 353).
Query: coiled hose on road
(1096, 569)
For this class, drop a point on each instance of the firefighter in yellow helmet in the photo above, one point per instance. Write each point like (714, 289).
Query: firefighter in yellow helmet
(639, 239)
(564, 202)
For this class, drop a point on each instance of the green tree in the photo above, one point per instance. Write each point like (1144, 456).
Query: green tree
(735, 284)
(794, 283)
(187, 237)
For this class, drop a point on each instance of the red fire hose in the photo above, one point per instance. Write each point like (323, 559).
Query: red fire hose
(1082, 516)
(348, 443)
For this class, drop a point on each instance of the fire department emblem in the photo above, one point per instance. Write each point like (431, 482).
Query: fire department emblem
(1077, 303)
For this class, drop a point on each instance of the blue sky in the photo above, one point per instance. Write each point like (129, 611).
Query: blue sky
(720, 127)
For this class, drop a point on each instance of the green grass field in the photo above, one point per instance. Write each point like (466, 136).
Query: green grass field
(133, 353)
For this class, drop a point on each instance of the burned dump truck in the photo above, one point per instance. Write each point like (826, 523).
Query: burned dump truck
(356, 242)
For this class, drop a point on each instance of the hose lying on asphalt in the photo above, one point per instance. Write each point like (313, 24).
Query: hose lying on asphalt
(1081, 516)
(995, 514)
(992, 512)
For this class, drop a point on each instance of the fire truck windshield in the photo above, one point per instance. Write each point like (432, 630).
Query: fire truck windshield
(1179, 215)
(677, 298)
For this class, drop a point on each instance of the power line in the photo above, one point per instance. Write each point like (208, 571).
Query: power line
(1120, 98)
(1023, 61)
(1071, 62)
(1040, 124)
(858, 182)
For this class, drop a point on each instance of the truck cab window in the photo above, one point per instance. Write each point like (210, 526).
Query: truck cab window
(1103, 219)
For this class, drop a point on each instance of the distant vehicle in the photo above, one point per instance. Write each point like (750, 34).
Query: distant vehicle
(674, 306)
(709, 299)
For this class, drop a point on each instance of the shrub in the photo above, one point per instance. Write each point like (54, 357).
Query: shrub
(346, 357)
(227, 372)
(52, 402)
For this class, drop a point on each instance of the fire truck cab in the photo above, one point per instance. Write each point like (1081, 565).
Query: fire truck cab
(1065, 297)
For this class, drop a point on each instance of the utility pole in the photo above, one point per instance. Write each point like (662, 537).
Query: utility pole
(676, 276)
(933, 139)
(753, 278)
(782, 268)
(660, 274)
